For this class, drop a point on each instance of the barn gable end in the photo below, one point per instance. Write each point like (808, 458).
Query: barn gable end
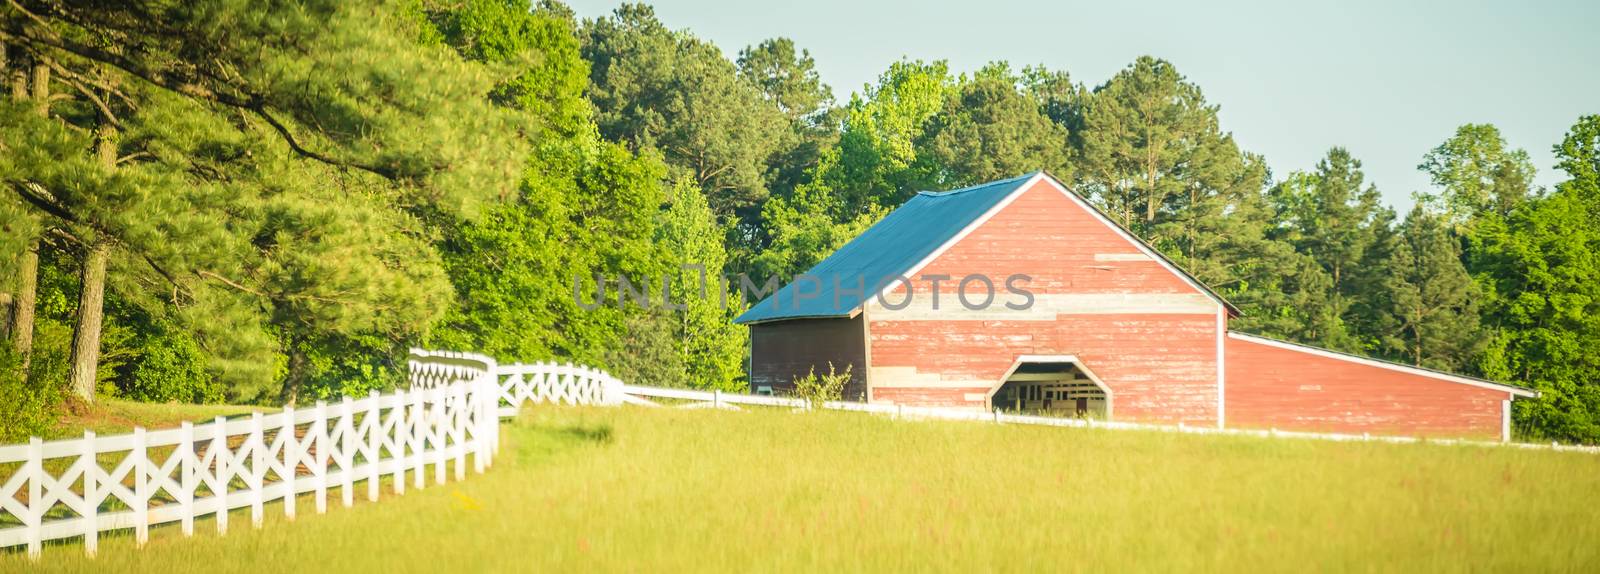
(1147, 329)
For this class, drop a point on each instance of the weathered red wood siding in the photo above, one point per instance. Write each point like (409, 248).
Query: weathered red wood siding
(1151, 337)
(1274, 387)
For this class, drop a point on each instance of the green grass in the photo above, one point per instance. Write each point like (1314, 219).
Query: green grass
(667, 490)
(116, 416)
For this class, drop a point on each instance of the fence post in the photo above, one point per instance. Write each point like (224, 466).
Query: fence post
(34, 469)
(374, 424)
(398, 434)
(481, 414)
(291, 461)
(436, 427)
(716, 398)
(186, 475)
(319, 463)
(141, 488)
(997, 414)
(91, 495)
(458, 427)
(418, 440)
(258, 471)
(224, 474)
(347, 456)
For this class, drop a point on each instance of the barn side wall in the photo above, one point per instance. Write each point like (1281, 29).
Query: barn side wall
(1274, 387)
(783, 350)
(1151, 337)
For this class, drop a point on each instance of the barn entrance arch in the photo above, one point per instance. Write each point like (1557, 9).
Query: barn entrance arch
(1054, 385)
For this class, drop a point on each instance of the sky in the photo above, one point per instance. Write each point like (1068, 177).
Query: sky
(1386, 80)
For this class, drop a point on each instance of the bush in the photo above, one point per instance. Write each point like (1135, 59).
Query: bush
(817, 390)
(172, 368)
(30, 402)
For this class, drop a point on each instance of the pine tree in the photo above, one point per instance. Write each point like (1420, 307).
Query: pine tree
(302, 154)
(676, 94)
(1141, 131)
(1431, 317)
(1328, 216)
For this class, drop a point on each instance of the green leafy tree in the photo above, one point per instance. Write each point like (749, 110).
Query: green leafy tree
(874, 167)
(1478, 173)
(1540, 272)
(876, 163)
(711, 345)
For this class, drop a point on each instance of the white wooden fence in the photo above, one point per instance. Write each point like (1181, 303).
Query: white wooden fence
(51, 490)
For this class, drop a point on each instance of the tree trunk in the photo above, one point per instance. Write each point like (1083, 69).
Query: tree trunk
(91, 313)
(91, 297)
(28, 267)
(41, 88)
(27, 295)
(17, 79)
(294, 379)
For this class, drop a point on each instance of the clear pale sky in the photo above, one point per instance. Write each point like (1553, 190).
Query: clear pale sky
(1388, 80)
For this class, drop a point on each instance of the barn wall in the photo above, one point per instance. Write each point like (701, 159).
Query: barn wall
(1274, 387)
(783, 350)
(1150, 336)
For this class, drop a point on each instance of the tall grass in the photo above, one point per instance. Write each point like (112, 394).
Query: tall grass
(666, 490)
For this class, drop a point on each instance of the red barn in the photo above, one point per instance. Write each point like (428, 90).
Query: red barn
(1020, 295)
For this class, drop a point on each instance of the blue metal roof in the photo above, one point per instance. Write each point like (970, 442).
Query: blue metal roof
(882, 253)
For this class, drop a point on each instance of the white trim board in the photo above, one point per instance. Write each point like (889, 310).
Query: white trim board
(1516, 391)
(1505, 420)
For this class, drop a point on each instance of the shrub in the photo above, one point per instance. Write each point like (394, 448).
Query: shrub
(172, 368)
(30, 402)
(817, 390)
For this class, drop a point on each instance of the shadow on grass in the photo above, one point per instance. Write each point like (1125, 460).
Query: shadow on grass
(537, 437)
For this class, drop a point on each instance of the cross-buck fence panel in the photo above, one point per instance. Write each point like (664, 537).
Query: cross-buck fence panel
(52, 490)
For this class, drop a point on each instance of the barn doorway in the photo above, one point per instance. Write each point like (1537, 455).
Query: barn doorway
(1058, 386)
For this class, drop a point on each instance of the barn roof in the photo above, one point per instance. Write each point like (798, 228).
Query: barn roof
(903, 240)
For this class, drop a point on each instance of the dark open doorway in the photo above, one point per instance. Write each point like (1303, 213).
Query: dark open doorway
(1057, 386)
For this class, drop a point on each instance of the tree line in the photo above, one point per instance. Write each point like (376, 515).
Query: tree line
(253, 202)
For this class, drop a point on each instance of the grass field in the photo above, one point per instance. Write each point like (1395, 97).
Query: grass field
(634, 489)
